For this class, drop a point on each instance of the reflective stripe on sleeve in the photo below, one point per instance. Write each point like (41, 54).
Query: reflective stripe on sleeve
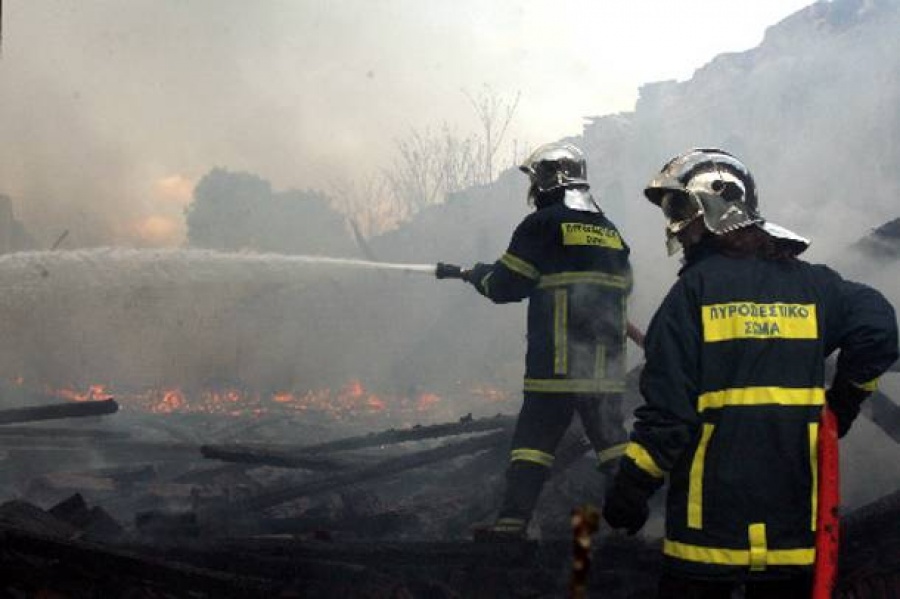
(611, 453)
(485, 280)
(870, 386)
(519, 266)
(643, 460)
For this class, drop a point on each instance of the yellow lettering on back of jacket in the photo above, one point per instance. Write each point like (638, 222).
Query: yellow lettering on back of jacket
(585, 234)
(750, 320)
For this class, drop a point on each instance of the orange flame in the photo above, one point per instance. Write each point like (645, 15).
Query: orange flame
(350, 400)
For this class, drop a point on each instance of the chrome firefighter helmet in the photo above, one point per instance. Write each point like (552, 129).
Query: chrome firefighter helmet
(554, 166)
(712, 184)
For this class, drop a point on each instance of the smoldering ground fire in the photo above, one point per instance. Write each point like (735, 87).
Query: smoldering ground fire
(345, 403)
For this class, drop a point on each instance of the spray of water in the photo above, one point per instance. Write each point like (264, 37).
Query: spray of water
(201, 262)
(184, 316)
(414, 268)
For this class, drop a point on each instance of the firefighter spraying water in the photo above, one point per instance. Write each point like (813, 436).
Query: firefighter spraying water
(571, 263)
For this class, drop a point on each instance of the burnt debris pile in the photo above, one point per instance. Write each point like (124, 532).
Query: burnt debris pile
(115, 502)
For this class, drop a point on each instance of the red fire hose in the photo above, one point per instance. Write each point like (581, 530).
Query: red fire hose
(827, 516)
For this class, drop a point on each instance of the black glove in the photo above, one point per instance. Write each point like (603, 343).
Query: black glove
(844, 398)
(476, 273)
(626, 500)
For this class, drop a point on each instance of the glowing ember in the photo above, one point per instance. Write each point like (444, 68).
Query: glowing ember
(426, 401)
(94, 393)
(172, 401)
(350, 400)
(491, 394)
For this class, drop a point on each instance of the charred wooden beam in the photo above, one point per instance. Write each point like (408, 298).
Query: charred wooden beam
(310, 456)
(62, 410)
(273, 456)
(388, 467)
(466, 425)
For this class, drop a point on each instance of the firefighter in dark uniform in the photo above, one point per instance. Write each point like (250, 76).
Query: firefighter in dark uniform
(572, 265)
(734, 388)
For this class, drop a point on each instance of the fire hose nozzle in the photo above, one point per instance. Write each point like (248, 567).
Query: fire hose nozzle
(448, 271)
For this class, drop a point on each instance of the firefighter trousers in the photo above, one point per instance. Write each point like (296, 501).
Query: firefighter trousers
(542, 422)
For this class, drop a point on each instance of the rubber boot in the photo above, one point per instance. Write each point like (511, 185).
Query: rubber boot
(524, 481)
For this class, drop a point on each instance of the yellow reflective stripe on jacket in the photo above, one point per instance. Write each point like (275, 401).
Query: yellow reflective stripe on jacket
(535, 456)
(752, 320)
(519, 266)
(814, 471)
(759, 551)
(611, 453)
(574, 386)
(587, 278)
(588, 234)
(737, 557)
(695, 484)
(643, 460)
(600, 364)
(759, 396)
(560, 332)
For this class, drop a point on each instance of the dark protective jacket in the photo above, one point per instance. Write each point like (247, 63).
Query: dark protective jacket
(733, 388)
(573, 267)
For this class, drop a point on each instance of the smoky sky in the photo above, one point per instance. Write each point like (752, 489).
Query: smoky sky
(109, 110)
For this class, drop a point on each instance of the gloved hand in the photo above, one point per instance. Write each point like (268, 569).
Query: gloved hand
(844, 398)
(626, 500)
(476, 273)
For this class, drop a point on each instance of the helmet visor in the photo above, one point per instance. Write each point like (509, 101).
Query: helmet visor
(680, 209)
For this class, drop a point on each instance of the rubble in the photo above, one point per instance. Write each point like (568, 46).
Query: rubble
(160, 506)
